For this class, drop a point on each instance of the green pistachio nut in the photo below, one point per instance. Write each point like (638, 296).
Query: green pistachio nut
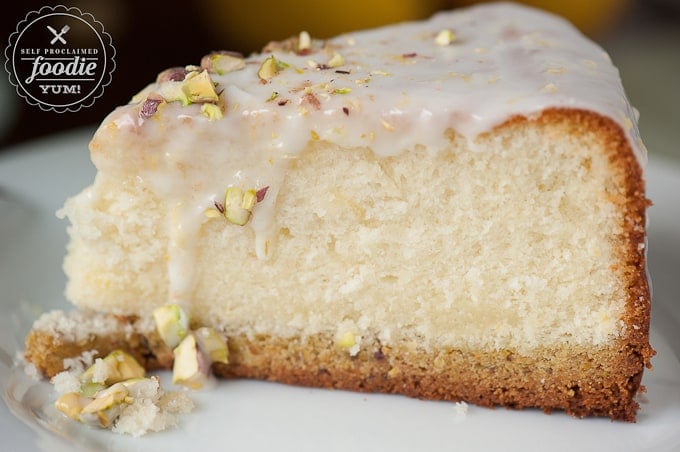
(212, 344)
(119, 366)
(238, 205)
(107, 405)
(191, 367)
(199, 87)
(172, 324)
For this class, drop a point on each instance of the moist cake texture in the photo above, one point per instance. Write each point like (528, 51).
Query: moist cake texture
(448, 209)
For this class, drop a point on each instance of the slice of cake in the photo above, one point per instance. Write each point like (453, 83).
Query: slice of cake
(450, 209)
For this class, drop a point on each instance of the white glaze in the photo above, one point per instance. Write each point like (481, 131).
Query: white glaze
(405, 91)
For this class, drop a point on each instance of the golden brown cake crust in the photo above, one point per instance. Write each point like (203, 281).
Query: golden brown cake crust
(581, 382)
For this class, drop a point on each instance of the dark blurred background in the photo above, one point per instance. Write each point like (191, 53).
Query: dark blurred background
(642, 36)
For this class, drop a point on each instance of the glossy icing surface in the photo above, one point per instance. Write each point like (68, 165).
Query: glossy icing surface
(389, 89)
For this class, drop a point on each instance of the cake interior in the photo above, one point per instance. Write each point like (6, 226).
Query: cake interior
(509, 242)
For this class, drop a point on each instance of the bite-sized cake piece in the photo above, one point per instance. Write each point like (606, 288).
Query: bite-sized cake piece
(448, 209)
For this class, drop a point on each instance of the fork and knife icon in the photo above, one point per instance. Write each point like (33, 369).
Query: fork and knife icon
(58, 35)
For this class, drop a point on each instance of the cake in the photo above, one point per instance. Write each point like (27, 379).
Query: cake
(449, 209)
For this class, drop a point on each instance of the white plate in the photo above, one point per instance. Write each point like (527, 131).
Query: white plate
(249, 415)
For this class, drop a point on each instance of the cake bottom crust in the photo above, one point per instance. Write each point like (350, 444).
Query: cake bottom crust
(580, 381)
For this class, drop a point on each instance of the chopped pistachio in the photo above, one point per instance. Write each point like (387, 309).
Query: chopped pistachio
(311, 99)
(150, 105)
(212, 344)
(71, 404)
(142, 387)
(90, 388)
(249, 199)
(342, 90)
(199, 87)
(270, 67)
(116, 366)
(212, 111)
(444, 37)
(287, 45)
(106, 398)
(347, 340)
(173, 74)
(107, 405)
(336, 60)
(172, 324)
(212, 213)
(304, 41)
(387, 125)
(191, 367)
(238, 205)
(172, 91)
(273, 96)
(261, 193)
(223, 62)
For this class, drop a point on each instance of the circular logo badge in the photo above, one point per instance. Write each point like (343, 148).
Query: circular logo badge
(60, 59)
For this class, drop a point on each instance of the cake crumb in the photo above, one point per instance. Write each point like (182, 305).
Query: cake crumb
(32, 372)
(354, 350)
(65, 382)
(153, 413)
(149, 408)
(69, 379)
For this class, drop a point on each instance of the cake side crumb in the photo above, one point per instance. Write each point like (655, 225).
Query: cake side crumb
(74, 325)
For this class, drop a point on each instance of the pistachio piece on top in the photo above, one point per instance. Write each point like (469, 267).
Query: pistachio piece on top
(150, 105)
(444, 37)
(336, 60)
(238, 205)
(212, 111)
(270, 67)
(223, 62)
(304, 43)
(173, 74)
(199, 87)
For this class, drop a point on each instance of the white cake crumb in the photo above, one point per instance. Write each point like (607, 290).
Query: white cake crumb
(29, 368)
(32, 371)
(460, 410)
(65, 382)
(100, 371)
(69, 379)
(152, 410)
(152, 414)
(176, 402)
